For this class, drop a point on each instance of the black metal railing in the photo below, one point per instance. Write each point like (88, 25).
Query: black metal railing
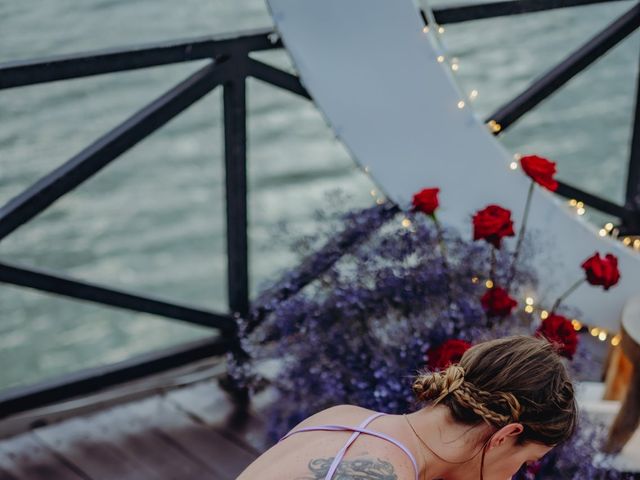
(229, 66)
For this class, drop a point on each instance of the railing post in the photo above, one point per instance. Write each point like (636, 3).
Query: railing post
(631, 223)
(235, 156)
(235, 159)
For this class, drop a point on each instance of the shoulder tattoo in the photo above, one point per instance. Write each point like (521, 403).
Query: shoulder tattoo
(363, 468)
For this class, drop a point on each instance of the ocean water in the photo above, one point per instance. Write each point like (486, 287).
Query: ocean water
(153, 221)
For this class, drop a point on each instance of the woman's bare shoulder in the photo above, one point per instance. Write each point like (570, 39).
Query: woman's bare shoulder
(345, 414)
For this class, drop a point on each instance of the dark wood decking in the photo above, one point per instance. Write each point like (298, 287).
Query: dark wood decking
(192, 432)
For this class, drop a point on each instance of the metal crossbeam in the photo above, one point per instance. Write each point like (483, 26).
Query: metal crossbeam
(88, 381)
(276, 77)
(77, 65)
(96, 156)
(594, 201)
(565, 70)
(480, 11)
(69, 287)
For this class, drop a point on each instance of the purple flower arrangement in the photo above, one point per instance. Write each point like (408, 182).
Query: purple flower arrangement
(359, 332)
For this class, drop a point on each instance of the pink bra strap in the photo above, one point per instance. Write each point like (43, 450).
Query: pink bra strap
(338, 458)
(356, 432)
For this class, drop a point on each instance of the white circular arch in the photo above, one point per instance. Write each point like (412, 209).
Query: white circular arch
(376, 77)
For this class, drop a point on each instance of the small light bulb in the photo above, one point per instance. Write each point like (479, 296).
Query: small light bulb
(581, 211)
(425, 29)
(544, 314)
(440, 29)
(615, 340)
(473, 94)
(366, 169)
(380, 201)
(529, 301)
(514, 165)
(573, 202)
(602, 336)
(455, 67)
(406, 223)
(440, 58)
(528, 309)
(626, 240)
(517, 156)
(636, 243)
(608, 227)
(595, 331)
(489, 284)
(580, 204)
(461, 104)
(373, 192)
(576, 325)
(602, 232)
(474, 279)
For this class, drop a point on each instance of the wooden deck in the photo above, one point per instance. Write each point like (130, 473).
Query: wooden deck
(192, 432)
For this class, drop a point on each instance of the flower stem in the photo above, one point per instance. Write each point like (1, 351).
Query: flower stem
(492, 266)
(445, 263)
(566, 294)
(512, 272)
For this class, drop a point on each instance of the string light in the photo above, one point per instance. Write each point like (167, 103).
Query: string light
(406, 223)
(636, 243)
(573, 202)
(440, 58)
(513, 165)
(440, 30)
(373, 192)
(600, 333)
(366, 169)
(608, 227)
(425, 29)
(581, 211)
(380, 201)
(461, 104)
(602, 232)
(473, 95)
(494, 126)
(626, 240)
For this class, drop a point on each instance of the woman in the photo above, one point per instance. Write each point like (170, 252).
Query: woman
(506, 403)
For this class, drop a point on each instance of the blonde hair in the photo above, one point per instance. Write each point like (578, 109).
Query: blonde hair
(513, 379)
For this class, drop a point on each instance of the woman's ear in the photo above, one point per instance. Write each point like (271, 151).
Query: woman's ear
(505, 434)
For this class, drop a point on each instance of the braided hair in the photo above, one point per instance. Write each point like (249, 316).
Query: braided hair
(512, 379)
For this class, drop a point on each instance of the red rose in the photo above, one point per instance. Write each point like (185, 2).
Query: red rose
(540, 170)
(602, 271)
(497, 302)
(426, 200)
(492, 224)
(559, 331)
(450, 351)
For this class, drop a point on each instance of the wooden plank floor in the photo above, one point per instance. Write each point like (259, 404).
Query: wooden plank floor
(193, 432)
